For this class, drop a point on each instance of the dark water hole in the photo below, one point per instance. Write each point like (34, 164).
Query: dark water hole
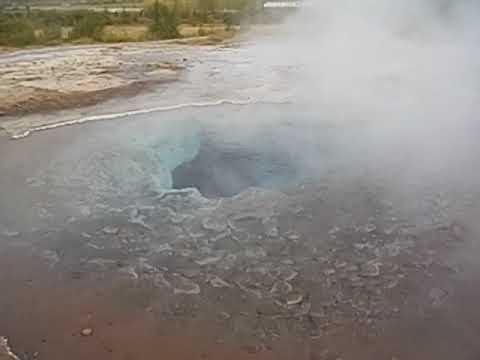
(219, 171)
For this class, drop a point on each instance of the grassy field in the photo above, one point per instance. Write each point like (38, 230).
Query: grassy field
(48, 23)
(134, 33)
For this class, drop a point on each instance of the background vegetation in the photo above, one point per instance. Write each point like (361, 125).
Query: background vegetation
(26, 24)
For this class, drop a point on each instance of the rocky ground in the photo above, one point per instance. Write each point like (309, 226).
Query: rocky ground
(342, 267)
(71, 84)
(333, 272)
(5, 351)
(53, 79)
(364, 263)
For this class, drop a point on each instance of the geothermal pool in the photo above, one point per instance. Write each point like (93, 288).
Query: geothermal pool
(73, 172)
(221, 151)
(237, 229)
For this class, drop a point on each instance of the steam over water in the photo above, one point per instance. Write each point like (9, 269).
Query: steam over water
(220, 152)
(205, 149)
(352, 206)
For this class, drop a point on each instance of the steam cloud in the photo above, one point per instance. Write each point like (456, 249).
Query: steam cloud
(409, 70)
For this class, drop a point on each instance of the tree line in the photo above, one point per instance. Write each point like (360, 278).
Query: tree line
(23, 27)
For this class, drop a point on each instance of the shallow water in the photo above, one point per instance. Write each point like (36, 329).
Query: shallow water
(221, 151)
(299, 224)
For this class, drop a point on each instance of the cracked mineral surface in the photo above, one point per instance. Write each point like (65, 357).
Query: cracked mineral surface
(308, 262)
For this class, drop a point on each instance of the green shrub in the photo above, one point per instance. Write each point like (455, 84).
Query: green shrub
(88, 26)
(123, 17)
(232, 19)
(165, 22)
(228, 21)
(16, 31)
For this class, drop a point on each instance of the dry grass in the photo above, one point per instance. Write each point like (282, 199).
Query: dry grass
(191, 34)
(125, 33)
(188, 30)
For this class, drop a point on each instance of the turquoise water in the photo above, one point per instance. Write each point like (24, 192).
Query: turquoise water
(220, 150)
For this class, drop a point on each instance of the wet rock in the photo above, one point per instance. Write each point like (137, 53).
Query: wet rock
(329, 272)
(220, 236)
(183, 285)
(145, 268)
(196, 235)
(85, 211)
(111, 230)
(370, 269)
(362, 246)
(391, 284)
(281, 287)
(217, 282)
(457, 231)
(129, 270)
(31, 181)
(304, 307)
(255, 252)
(368, 228)
(178, 219)
(134, 213)
(103, 263)
(317, 313)
(268, 309)
(160, 280)
(352, 268)
(5, 352)
(290, 275)
(10, 233)
(437, 296)
(209, 260)
(293, 237)
(334, 230)
(228, 262)
(185, 252)
(87, 332)
(270, 226)
(191, 273)
(392, 229)
(224, 315)
(161, 248)
(253, 348)
(51, 257)
(135, 217)
(298, 210)
(214, 224)
(242, 236)
(250, 289)
(392, 250)
(294, 299)
(271, 231)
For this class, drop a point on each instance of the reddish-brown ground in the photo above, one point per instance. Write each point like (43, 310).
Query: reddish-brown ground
(43, 312)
